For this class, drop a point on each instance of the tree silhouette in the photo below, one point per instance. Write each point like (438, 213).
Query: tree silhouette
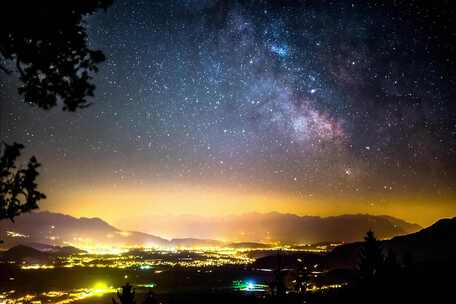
(391, 265)
(45, 43)
(18, 193)
(151, 298)
(301, 278)
(408, 260)
(371, 257)
(127, 296)
(278, 287)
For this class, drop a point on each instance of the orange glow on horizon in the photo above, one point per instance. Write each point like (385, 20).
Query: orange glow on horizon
(124, 206)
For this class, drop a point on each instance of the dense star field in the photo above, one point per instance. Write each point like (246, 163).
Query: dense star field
(216, 107)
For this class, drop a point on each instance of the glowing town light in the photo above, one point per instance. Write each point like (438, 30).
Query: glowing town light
(16, 234)
(150, 285)
(145, 267)
(103, 249)
(100, 288)
(249, 286)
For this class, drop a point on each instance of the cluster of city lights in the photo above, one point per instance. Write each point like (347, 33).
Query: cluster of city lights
(183, 258)
(57, 296)
(147, 259)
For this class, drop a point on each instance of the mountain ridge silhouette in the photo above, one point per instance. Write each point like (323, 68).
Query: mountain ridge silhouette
(59, 229)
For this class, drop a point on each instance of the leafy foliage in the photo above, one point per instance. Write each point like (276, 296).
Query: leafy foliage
(46, 41)
(126, 296)
(18, 189)
(371, 257)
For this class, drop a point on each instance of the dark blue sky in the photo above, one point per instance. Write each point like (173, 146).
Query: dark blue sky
(338, 101)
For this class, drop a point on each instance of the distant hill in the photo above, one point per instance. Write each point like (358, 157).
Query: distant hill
(278, 227)
(58, 250)
(67, 250)
(249, 245)
(37, 253)
(435, 243)
(191, 242)
(54, 229)
(24, 253)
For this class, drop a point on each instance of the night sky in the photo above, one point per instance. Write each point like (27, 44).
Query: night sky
(216, 107)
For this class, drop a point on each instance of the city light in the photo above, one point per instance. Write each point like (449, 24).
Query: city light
(100, 288)
(57, 296)
(249, 286)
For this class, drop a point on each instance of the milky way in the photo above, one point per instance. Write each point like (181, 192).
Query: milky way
(334, 99)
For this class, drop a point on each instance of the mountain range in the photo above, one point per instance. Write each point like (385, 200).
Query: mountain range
(434, 243)
(36, 253)
(276, 227)
(57, 229)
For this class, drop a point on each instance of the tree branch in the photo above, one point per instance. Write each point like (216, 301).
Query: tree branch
(19, 68)
(4, 69)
